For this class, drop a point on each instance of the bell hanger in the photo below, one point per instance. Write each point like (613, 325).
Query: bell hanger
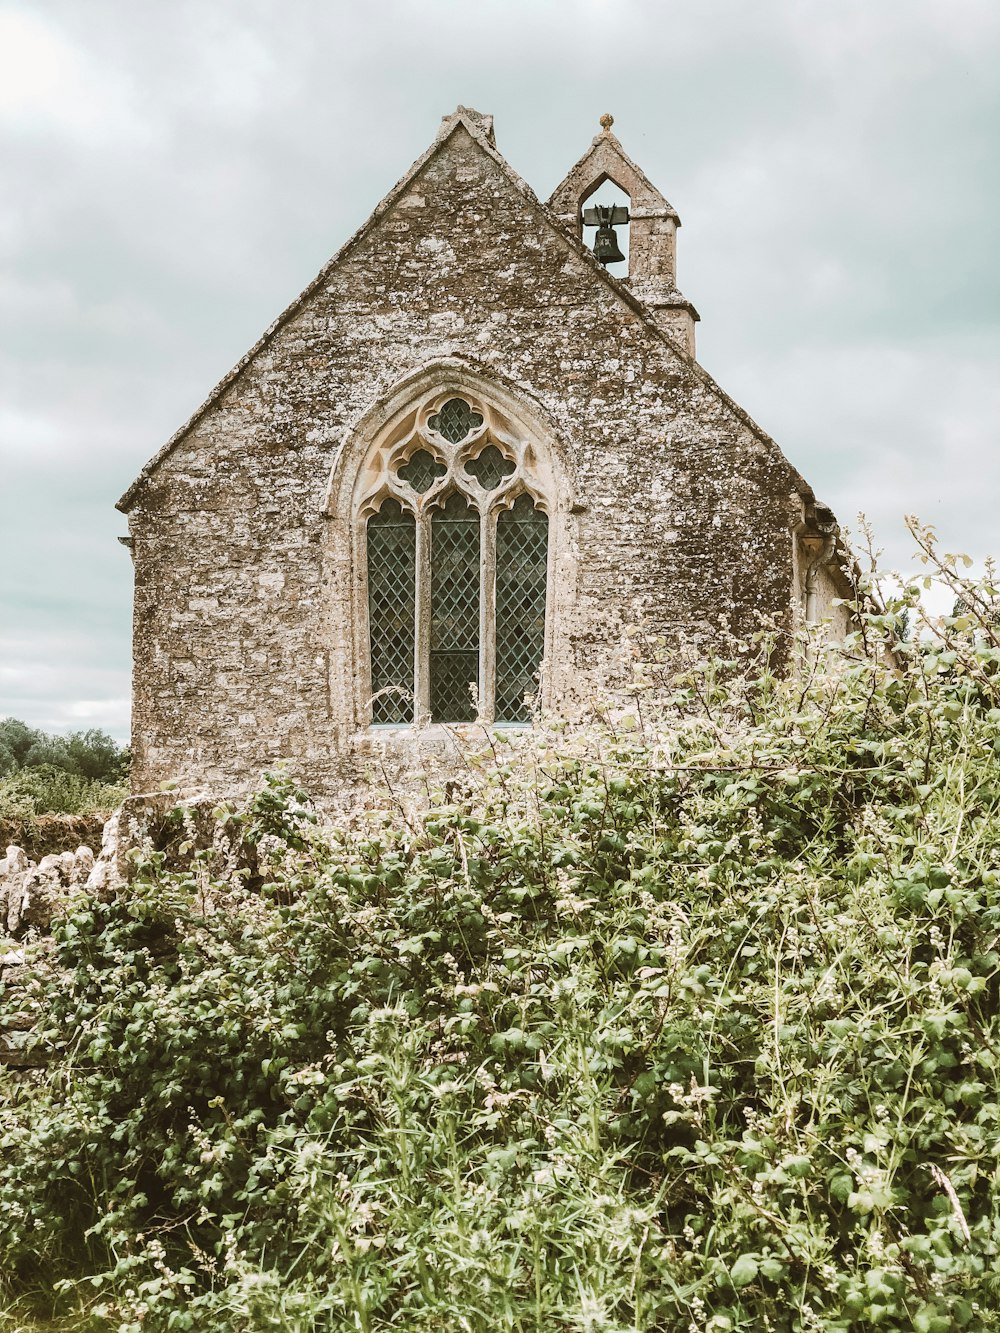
(605, 217)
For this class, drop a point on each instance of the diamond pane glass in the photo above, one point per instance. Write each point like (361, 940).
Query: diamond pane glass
(392, 549)
(455, 420)
(422, 471)
(522, 561)
(490, 468)
(454, 663)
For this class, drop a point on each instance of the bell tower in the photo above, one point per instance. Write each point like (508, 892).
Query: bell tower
(653, 223)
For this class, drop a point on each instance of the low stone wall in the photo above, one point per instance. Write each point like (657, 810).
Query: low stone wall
(31, 894)
(35, 885)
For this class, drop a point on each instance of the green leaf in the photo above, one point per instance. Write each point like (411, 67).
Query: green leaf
(744, 1270)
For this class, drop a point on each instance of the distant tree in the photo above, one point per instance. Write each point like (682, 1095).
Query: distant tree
(91, 754)
(48, 751)
(18, 738)
(97, 755)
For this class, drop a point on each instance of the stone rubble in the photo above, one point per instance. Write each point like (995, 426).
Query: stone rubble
(32, 895)
(32, 892)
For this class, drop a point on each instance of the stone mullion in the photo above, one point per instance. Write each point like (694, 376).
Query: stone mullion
(487, 615)
(422, 619)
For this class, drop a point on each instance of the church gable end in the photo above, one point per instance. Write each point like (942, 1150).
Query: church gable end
(445, 481)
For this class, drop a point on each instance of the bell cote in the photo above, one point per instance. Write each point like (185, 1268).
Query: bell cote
(652, 230)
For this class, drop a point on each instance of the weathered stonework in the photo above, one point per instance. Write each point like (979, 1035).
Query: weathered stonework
(668, 507)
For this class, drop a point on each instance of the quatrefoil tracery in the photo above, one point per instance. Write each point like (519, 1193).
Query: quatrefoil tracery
(422, 471)
(490, 468)
(455, 451)
(456, 420)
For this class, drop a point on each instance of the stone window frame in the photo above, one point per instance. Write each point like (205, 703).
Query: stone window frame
(379, 480)
(342, 643)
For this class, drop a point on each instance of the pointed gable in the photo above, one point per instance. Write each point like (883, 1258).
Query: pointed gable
(606, 160)
(643, 495)
(660, 305)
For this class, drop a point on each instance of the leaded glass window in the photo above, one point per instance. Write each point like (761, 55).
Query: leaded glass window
(422, 471)
(456, 420)
(455, 580)
(457, 548)
(391, 616)
(490, 468)
(522, 563)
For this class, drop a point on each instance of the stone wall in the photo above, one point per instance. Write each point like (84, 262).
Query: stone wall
(678, 513)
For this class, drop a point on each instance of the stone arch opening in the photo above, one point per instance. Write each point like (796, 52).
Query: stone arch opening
(607, 193)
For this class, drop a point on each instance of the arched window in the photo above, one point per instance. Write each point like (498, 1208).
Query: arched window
(456, 551)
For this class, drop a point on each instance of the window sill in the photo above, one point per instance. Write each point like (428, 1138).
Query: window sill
(437, 729)
(433, 735)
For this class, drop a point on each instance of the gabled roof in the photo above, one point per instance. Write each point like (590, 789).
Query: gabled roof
(480, 128)
(606, 159)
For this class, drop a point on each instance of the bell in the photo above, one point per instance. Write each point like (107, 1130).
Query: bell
(604, 217)
(606, 249)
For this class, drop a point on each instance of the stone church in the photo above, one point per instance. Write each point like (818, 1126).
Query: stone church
(448, 478)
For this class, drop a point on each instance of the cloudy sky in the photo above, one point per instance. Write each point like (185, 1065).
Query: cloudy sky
(174, 172)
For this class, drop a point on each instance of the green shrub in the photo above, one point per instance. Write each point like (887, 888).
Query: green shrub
(683, 1019)
(82, 773)
(50, 790)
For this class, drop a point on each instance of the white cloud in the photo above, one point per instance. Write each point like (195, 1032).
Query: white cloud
(48, 84)
(57, 681)
(840, 38)
(904, 427)
(30, 432)
(111, 715)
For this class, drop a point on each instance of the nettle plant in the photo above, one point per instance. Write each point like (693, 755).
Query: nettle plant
(683, 1018)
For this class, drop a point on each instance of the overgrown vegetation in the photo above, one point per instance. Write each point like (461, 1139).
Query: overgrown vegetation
(78, 774)
(685, 1019)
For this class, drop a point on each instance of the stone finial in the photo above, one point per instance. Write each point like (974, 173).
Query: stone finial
(482, 119)
(607, 120)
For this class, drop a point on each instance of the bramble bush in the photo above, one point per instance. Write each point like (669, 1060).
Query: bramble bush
(682, 1019)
